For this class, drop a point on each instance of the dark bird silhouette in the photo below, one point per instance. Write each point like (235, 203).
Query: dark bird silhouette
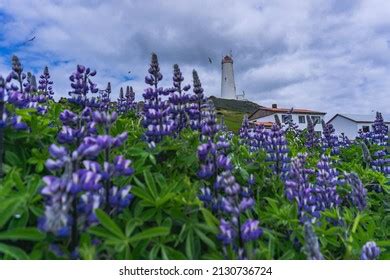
(28, 41)
(210, 60)
(129, 72)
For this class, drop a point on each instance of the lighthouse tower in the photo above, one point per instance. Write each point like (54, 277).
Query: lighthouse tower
(228, 87)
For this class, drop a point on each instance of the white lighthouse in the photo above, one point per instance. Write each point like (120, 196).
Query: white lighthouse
(228, 87)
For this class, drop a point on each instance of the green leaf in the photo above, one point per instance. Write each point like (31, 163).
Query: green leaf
(172, 254)
(205, 239)
(12, 158)
(31, 234)
(143, 194)
(13, 252)
(109, 224)
(101, 232)
(8, 209)
(209, 218)
(384, 243)
(152, 159)
(150, 233)
(189, 245)
(150, 183)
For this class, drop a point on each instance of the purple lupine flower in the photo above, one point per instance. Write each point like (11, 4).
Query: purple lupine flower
(207, 155)
(122, 166)
(326, 183)
(17, 124)
(17, 73)
(312, 246)
(289, 125)
(88, 187)
(82, 84)
(80, 188)
(126, 101)
(248, 135)
(30, 86)
(89, 202)
(244, 129)
(380, 131)
(179, 99)
(57, 218)
(104, 100)
(24, 94)
(299, 188)
(208, 125)
(114, 197)
(223, 143)
(32, 97)
(381, 162)
(312, 140)
(329, 139)
(277, 151)
(370, 251)
(46, 84)
(250, 230)
(196, 102)
(227, 233)
(234, 229)
(212, 156)
(120, 198)
(156, 112)
(358, 194)
(222, 125)
(259, 138)
(379, 136)
(6, 118)
(344, 141)
(253, 138)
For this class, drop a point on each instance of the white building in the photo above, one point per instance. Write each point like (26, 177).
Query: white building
(228, 86)
(266, 116)
(350, 124)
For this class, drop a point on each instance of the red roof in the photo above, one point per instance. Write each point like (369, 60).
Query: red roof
(296, 111)
(266, 124)
(264, 111)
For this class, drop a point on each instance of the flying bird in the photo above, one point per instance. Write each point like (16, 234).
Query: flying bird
(210, 60)
(129, 72)
(27, 41)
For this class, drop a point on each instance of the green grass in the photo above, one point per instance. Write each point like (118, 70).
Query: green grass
(233, 119)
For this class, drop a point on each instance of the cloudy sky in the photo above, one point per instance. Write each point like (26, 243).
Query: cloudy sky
(328, 55)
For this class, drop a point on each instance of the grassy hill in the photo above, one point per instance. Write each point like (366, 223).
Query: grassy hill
(243, 106)
(233, 119)
(233, 111)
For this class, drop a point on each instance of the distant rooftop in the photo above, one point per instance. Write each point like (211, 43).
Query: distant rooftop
(265, 111)
(293, 111)
(265, 124)
(362, 118)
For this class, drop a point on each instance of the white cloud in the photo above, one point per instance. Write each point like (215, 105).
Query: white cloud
(326, 55)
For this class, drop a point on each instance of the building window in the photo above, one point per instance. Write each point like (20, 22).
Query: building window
(302, 119)
(316, 119)
(286, 118)
(366, 128)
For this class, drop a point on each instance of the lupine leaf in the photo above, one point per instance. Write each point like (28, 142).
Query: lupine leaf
(31, 234)
(150, 233)
(14, 252)
(109, 224)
